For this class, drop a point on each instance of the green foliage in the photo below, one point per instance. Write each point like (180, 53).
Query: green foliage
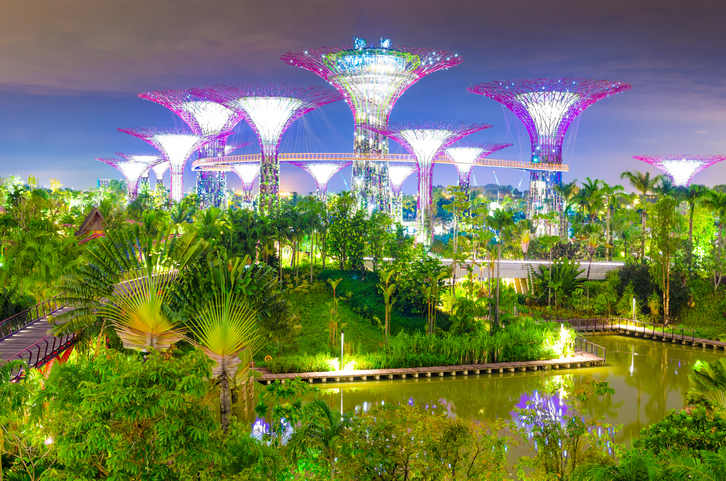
(708, 384)
(690, 430)
(396, 442)
(561, 278)
(524, 340)
(114, 416)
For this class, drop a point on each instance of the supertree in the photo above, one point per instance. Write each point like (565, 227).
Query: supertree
(269, 110)
(371, 79)
(322, 172)
(247, 173)
(465, 157)
(681, 168)
(547, 107)
(208, 119)
(176, 147)
(150, 160)
(159, 170)
(131, 169)
(425, 141)
(398, 172)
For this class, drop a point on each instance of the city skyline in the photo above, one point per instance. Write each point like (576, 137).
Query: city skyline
(72, 76)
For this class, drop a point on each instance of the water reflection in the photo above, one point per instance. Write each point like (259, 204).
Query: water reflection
(649, 378)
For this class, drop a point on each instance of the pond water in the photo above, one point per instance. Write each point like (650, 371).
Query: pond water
(649, 377)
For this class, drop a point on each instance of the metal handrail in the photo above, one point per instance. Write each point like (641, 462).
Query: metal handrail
(41, 352)
(220, 162)
(600, 323)
(591, 347)
(23, 319)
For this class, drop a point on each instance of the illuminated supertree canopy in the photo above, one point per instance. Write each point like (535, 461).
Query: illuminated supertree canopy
(208, 119)
(159, 170)
(131, 169)
(425, 141)
(269, 110)
(466, 156)
(322, 172)
(371, 79)
(247, 173)
(176, 147)
(681, 168)
(547, 107)
(398, 172)
(150, 160)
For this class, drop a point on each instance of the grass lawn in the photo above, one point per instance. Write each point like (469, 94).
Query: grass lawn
(311, 303)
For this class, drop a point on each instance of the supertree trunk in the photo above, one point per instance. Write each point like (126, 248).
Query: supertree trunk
(269, 182)
(425, 206)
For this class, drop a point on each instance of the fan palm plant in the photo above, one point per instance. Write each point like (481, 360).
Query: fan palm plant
(228, 332)
(126, 279)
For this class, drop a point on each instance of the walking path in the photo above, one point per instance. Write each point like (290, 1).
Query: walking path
(581, 358)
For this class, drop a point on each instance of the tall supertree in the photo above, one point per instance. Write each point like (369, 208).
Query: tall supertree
(269, 110)
(547, 107)
(176, 147)
(159, 170)
(681, 168)
(150, 160)
(322, 172)
(247, 173)
(465, 157)
(371, 79)
(398, 172)
(208, 119)
(425, 141)
(131, 169)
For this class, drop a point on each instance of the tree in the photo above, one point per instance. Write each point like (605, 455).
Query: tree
(716, 201)
(568, 193)
(127, 278)
(346, 234)
(387, 288)
(499, 220)
(643, 183)
(226, 329)
(664, 232)
(591, 198)
(610, 193)
(321, 431)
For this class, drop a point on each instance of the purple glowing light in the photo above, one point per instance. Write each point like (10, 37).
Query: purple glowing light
(425, 141)
(269, 110)
(176, 147)
(322, 172)
(371, 79)
(681, 168)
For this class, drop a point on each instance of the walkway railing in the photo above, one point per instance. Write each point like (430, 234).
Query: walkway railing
(42, 351)
(588, 346)
(25, 318)
(615, 323)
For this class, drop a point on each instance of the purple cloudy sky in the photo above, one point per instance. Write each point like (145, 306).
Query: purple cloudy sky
(70, 72)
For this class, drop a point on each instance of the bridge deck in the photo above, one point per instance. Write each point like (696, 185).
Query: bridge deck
(581, 358)
(677, 336)
(17, 344)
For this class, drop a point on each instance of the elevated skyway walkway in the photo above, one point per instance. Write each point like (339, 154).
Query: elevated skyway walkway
(519, 269)
(225, 163)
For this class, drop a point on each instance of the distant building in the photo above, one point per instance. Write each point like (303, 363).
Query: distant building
(102, 183)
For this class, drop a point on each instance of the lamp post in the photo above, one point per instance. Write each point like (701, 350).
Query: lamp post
(342, 345)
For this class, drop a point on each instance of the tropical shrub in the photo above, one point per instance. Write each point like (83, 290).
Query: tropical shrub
(692, 429)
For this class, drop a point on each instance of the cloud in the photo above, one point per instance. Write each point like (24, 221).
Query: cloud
(702, 132)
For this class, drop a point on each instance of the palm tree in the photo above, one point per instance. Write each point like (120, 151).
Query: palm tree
(499, 220)
(643, 183)
(692, 194)
(708, 383)
(716, 201)
(610, 194)
(228, 332)
(590, 198)
(568, 193)
(321, 433)
(126, 279)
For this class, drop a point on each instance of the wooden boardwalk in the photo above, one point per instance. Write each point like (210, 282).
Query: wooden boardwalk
(16, 345)
(580, 359)
(675, 335)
